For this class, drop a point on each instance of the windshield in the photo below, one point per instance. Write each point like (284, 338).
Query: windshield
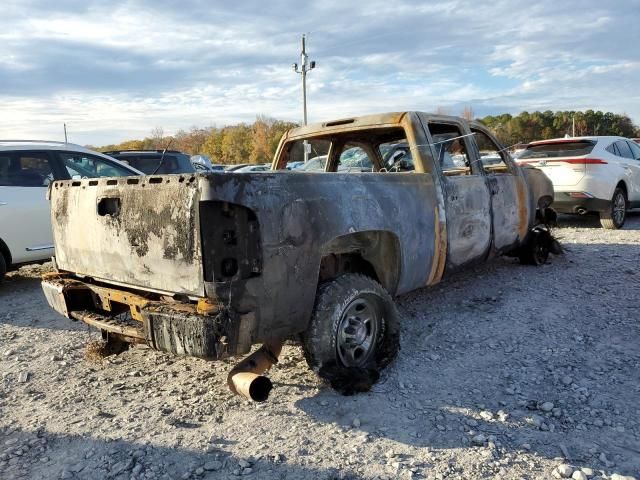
(561, 148)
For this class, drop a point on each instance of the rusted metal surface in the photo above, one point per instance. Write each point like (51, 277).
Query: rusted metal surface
(246, 378)
(259, 243)
(134, 231)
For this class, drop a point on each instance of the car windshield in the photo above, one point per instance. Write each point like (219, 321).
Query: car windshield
(562, 148)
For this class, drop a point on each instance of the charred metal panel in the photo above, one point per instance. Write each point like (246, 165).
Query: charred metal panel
(301, 214)
(142, 232)
(468, 208)
(506, 209)
(230, 242)
(540, 190)
(186, 333)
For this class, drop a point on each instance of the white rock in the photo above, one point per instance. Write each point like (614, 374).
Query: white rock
(578, 475)
(564, 470)
(587, 471)
(23, 377)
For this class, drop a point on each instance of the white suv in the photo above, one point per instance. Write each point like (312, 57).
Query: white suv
(590, 174)
(26, 169)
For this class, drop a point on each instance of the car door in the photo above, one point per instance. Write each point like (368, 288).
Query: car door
(465, 192)
(25, 223)
(632, 162)
(509, 215)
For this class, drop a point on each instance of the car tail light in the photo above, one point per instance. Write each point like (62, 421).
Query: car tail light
(582, 161)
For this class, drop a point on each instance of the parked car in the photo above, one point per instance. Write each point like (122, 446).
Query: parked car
(294, 165)
(155, 162)
(26, 169)
(253, 168)
(590, 174)
(233, 168)
(213, 264)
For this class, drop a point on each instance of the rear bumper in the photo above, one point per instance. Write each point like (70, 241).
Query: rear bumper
(563, 203)
(204, 330)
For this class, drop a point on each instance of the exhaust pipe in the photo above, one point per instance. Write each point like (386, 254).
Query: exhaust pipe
(581, 211)
(246, 380)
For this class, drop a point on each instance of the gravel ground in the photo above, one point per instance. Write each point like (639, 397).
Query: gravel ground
(506, 371)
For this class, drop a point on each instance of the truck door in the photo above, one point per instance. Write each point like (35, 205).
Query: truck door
(508, 191)
(465, 192)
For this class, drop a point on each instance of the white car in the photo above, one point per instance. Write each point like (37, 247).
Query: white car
(590, 174)
(26, 169)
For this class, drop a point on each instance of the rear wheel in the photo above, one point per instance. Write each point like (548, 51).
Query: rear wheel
(615, 216)
(536, 249)
(354, 325)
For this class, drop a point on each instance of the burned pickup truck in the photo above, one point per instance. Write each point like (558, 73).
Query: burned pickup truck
(210, 264)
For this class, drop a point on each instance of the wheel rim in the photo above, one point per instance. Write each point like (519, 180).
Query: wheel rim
(541, 252)
(357, 331)
(619, 208)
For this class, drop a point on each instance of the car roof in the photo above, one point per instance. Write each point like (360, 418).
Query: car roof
(18, 145)
(143, 152)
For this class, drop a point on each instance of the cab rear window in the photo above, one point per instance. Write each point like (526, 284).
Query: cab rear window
(559, 149)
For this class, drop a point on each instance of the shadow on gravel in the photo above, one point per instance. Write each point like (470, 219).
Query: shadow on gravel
(70, 457)
(510, 358)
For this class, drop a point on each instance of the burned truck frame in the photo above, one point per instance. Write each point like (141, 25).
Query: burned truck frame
(210, 264)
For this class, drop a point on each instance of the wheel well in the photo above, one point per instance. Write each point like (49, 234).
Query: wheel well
(623, 186)
(4, 251)
(372, 253)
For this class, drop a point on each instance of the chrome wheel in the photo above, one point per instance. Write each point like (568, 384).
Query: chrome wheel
(358, 331)
(619, 208)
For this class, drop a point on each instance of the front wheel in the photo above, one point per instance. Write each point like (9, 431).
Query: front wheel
(615, 216)
(354, 325)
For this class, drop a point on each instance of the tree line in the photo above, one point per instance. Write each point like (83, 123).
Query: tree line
(257, 142)
(527, 127)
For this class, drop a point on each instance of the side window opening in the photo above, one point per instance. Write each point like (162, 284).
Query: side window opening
(25, 169)
(317, 152)
(492, 158)
(450, 149)
(396, 156)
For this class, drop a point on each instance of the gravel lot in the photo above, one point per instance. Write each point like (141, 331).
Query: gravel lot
(506, 371)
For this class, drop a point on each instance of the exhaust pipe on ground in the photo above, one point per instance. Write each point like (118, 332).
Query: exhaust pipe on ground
(246, 377)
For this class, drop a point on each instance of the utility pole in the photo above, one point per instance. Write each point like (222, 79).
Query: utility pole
(65, 132)
(573, 125)
(305, 66)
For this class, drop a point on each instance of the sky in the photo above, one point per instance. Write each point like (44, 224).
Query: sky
(116, 70)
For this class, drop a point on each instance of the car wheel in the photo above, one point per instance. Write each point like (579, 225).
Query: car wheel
(3, 266)
(536, 249)
(354, 325)
(615, 216)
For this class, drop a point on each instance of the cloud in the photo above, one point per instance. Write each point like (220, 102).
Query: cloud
(115, 70)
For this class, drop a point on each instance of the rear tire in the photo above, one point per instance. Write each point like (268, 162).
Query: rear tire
(354, 325)
(616, 215)
(3, 266)
(536, 249)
